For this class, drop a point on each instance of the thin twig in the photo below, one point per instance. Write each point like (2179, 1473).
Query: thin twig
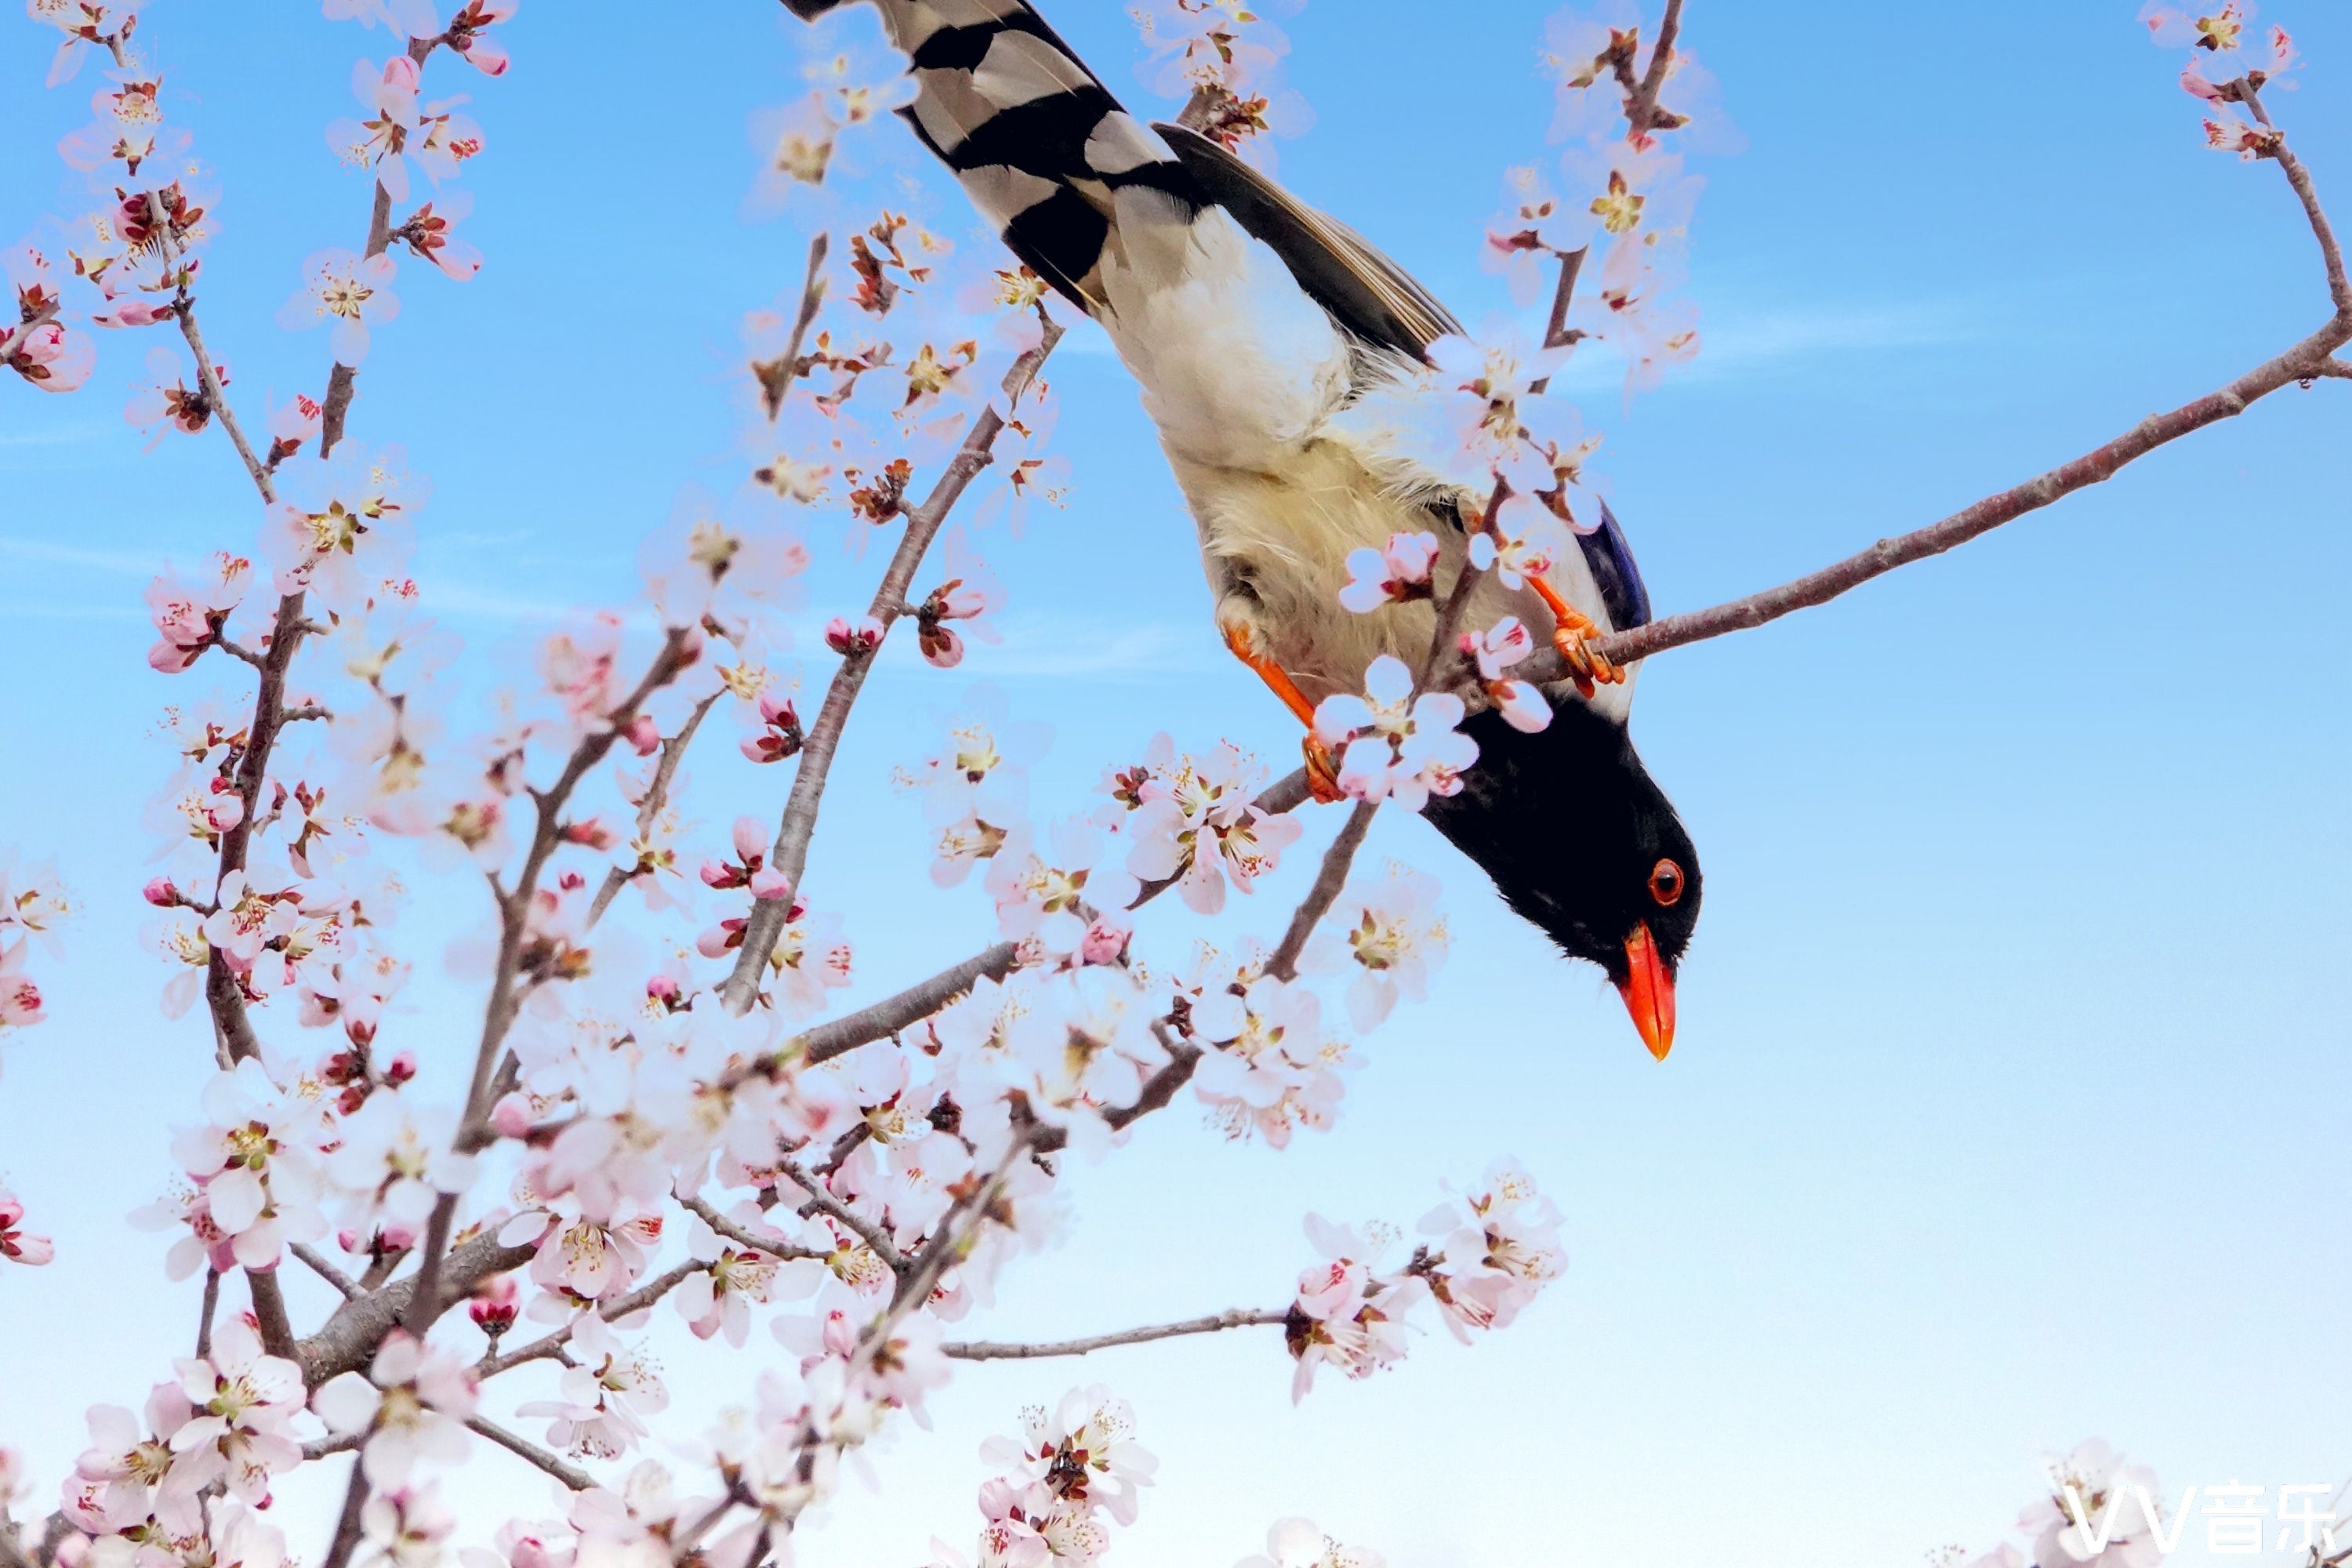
(650, 810)
(205, 1314)
(790, 857)
(1239, 1318)
(269, 1313)
(821, 1199)
(620, 1306)
(578, 1480)
(2301, 362)
(315, 1261)
(776, 376)
(347, 1524)
(743, 1236)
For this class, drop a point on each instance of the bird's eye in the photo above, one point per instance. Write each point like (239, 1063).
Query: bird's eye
(1667, 884)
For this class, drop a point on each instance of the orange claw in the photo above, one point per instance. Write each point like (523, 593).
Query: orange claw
(1274, 675)
(1572, 635)
(1322, 773)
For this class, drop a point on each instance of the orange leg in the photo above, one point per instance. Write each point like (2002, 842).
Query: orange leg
(1572, 636)
(1322, 773)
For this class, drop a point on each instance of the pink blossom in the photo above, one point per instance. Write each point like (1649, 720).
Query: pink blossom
(18, 1246)
(856, 638)
(291, 424)
(781, 740)
(189, 613)
(1296, 1543)
(467, 34)
(430, 235)
(2228, 134)
(1506, 643)
(1392, 576)
(341, 524)
(20, 999)
(2098, 1512)
(83, 23)
(351, 293)
(258, 1181)
(1495, 1247)
(603, 1396)
(410, 1408)
(1196, 819)
(1397, 746)
(1388, 932)
(243, 1401)
(717, 1299)
(721, 560)
(971, 591)
(1040, 889)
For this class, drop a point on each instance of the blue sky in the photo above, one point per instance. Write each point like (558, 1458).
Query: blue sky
(2006, 1104)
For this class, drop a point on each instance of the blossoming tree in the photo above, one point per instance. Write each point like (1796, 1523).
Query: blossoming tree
(657, 1116)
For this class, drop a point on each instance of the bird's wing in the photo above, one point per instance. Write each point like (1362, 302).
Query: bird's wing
(1610, 558)
(1365, 292)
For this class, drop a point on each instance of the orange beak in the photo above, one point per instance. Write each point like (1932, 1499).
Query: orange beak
(1649, 992)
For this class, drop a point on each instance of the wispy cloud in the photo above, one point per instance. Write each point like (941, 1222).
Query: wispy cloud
(55, 436)
(118, 562)
(1742, 343)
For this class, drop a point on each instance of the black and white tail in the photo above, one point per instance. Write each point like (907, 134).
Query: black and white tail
(1042, 147)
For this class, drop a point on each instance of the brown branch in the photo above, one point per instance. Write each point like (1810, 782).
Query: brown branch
(619, 1307)
(776, 376)
(347, 1524)
(348, 1339)
(776, 1248)
(790, 857)
(905, 1010)
(2301, 362)
(1337, 862)
(821, 1200)
(269, 1313)
(657, 797)
(206, 1312)
(1239, 1318)
(311, 1259)
(578, 1480)
(1640, 107)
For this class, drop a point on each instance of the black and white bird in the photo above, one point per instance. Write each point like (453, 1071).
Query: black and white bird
(1258, 328)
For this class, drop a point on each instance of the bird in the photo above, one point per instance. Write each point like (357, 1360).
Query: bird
(1258, 328)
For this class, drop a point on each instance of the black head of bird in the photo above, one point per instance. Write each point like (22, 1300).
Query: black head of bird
(1581, 842)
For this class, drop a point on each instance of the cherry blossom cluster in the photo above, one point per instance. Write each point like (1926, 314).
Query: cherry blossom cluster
(2095, 1512)
(1075, 1470)
(1486, 1254)
(2231, 61)
(1225, 57)
(34, 906)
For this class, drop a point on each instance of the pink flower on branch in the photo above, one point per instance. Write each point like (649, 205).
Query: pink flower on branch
(1395, 745)
(1397, 573)
(351, 295)
(16, 1245)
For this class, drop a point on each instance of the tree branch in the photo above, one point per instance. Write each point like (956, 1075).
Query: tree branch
(776, 1248)
(820, 1199)
(612, 1311)
(348, 1339)
(2306, 361)
(1238, 1318)
(311, 1259)
(657, 797)
(790, 857)
(269, 1313)
(578, 1480)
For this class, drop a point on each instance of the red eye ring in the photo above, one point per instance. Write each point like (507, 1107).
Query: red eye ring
(1667, 884)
